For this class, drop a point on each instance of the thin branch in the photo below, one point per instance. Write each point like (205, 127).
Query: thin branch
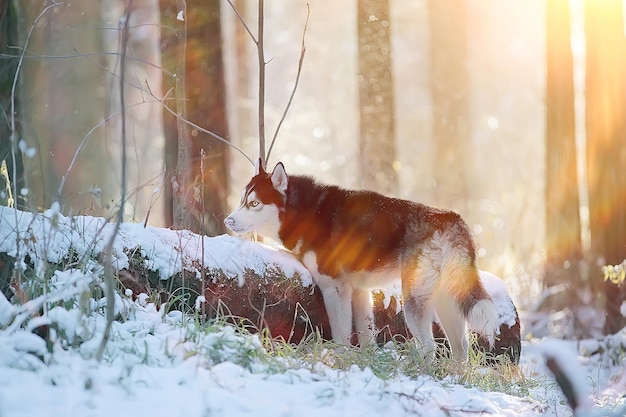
(125, 35)
(258, 41)
(202, 215)
(261, 55)
(79, 54)
(199, 128)
(21, 60)
(295, 86)
(108, 273)
(83, 143)
(12, 116)
(243, 22)
(161, 101)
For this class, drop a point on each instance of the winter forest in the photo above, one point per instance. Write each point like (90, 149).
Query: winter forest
(130, 127)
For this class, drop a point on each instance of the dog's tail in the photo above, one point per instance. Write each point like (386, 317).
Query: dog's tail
(461, 281)
(482, 316)
(473, 301)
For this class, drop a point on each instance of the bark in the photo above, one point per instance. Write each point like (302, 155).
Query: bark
(200, 183)
(606, 153)
(563, 231)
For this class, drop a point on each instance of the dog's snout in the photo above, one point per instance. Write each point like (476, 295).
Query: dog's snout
(229, 221)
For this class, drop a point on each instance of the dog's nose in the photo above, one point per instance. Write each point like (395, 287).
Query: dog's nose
(229, 221)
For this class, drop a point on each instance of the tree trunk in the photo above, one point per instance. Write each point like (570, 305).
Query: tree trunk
(171, 30)
(450, 96)
(563, 240)
(10, 127)
(201, 183)
(377, 147)
(606, 150)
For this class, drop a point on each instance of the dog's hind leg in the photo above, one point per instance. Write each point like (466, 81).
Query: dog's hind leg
(418, 285)
(463, 299)
(453, 324)
(363, 316)
(338, 302)
(461, 282)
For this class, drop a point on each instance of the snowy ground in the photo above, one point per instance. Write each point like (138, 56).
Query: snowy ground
(159, 364)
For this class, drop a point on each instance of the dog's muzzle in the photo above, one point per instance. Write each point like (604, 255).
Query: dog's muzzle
(230, 223)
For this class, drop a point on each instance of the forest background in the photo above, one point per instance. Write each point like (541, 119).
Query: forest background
(511, 113)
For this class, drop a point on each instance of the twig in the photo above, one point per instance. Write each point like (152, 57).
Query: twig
(258, 41)
(197, 127)
(12, 122)
(161, 101)
(202, 266)
(242, 20)
(295, 86)
(19, 66)
(81, 145)
(308, 322)
(108, 273)
(261, 54)
(79, 54)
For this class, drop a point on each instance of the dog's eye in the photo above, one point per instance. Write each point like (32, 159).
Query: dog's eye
(253, 203)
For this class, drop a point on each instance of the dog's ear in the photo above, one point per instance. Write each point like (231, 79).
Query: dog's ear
(258, 167)
(279, 178)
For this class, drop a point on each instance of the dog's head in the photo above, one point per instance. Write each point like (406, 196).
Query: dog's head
(261, 203)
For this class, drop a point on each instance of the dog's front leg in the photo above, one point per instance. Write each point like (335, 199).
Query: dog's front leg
(338, 302)
(363, 316)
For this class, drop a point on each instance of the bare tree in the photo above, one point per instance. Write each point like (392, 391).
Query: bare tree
(192, 52)
(109, 278)
(450, 97)
(563, 239)
(10, 125)
(377, 126)
(259, 42)
(606, 153)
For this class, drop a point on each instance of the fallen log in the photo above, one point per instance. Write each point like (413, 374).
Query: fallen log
(291, 308)
(292, 311)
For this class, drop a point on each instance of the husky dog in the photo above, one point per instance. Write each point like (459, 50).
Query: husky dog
(355, 241)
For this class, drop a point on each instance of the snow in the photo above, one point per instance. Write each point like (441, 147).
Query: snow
(166, 364)
(500, 296)
(151, 366)
(566, 362)
(51, 236)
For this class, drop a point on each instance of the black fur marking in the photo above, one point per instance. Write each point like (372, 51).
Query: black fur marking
(476, 293)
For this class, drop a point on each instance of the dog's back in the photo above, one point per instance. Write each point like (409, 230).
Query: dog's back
(358, 230)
